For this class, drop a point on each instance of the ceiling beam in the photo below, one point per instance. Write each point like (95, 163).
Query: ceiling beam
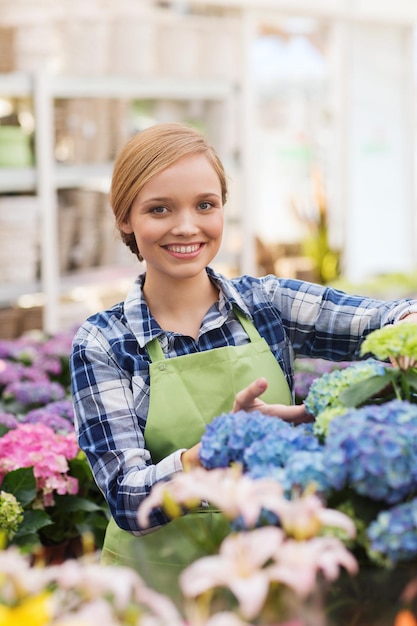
(377, 11)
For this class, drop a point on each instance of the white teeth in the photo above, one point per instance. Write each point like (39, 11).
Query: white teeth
(183, 249)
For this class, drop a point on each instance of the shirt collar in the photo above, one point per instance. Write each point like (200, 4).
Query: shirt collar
(143, 324)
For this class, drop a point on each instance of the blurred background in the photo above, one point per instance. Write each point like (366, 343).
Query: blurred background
(310, 103)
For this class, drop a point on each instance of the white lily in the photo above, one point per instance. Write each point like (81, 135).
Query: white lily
(239, 566)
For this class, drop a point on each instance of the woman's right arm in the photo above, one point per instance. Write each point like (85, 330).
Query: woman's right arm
(109, 429)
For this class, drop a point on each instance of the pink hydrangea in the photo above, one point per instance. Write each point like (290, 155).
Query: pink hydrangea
(39, 446)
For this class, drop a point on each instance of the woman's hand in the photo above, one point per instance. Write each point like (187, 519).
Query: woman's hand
(190, 458)
(248, 400)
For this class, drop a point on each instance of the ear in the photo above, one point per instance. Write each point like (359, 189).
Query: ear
(126, 227)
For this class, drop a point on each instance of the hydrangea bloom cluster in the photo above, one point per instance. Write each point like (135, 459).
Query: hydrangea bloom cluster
(40, 355)
(373, 450)
(307, 370)
(11, 513)
(58, 415)
(29, 394)
(305, 469)
(325, 391)
(393, 535)
(12, 372)
(37, 446)
(323, 419)
(396, 340)
(8, 420)
(254, 440)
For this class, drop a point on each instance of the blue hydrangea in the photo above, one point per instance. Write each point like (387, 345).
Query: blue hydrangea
(392, 535)
(252, 439)
(325, 391)
(373, 450)
(306, 469)
(307, 370)
(277, 449)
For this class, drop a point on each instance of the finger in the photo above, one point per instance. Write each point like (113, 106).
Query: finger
(246, 397)
(295, 413)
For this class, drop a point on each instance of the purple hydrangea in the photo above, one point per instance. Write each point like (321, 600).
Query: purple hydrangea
(373, 450)
(28, 393)
(8, 420)
(10, 372)
(393, 534)
(53, 420)
(58, 415)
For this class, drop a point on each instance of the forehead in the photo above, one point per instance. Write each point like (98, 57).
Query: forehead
(190, 172)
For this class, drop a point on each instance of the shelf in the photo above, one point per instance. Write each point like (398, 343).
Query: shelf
(95, 176)
(15, 84)
(94, 278)
(46, 177)
(136, 88)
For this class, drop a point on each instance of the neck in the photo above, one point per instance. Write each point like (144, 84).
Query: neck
(175, 296)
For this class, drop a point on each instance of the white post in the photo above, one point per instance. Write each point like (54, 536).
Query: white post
(248, 133)
(44, 151)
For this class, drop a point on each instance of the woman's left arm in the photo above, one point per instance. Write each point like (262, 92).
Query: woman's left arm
(410, 317)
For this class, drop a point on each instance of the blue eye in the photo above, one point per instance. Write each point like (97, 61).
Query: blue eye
(158, 210)
(205, 205)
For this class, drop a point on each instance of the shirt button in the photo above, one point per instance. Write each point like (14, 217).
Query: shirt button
(162, 367)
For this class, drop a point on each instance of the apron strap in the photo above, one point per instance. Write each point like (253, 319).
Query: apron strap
(156, 354)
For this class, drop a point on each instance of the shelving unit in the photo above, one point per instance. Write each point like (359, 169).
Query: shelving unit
(47, 177)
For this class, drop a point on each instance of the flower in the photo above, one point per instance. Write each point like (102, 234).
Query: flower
(8, 421)
(252, 440)
(11, 514)
(373, 450)
(248, 562)
(393, 534)
(397, 342)
(58, 415)
(307, 370)
(241, 565)
(41, 465)
(28, 393)
(37, 446)
(79, 591)
(325, 391)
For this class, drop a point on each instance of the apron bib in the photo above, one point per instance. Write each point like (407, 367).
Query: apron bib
(187, 392)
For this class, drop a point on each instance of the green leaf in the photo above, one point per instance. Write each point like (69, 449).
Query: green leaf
(27, 542)
(3, 430)
(72, 504)
(364, 390)
(411, 377)
(33, 521)
(22, 484)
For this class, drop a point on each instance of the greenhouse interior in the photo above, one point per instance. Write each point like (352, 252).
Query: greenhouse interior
(311, 108)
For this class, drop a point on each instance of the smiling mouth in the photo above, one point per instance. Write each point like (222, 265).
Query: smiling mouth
(184, 249)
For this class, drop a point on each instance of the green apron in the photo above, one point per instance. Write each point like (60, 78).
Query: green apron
(187, 392)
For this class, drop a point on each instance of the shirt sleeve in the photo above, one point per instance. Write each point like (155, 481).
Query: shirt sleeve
(109, 433)
(323, 322)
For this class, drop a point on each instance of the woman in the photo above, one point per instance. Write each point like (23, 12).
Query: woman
(151, 372)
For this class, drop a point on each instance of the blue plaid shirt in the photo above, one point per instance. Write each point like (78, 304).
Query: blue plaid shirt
(110, 366)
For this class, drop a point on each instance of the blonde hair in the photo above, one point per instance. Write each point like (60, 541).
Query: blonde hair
(146, 154)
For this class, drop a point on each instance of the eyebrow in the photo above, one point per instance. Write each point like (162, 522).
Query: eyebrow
(204, 194)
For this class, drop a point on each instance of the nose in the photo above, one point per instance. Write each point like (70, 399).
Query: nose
(186, 224)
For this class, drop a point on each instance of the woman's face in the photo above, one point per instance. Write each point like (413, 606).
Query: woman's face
(177, 218)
